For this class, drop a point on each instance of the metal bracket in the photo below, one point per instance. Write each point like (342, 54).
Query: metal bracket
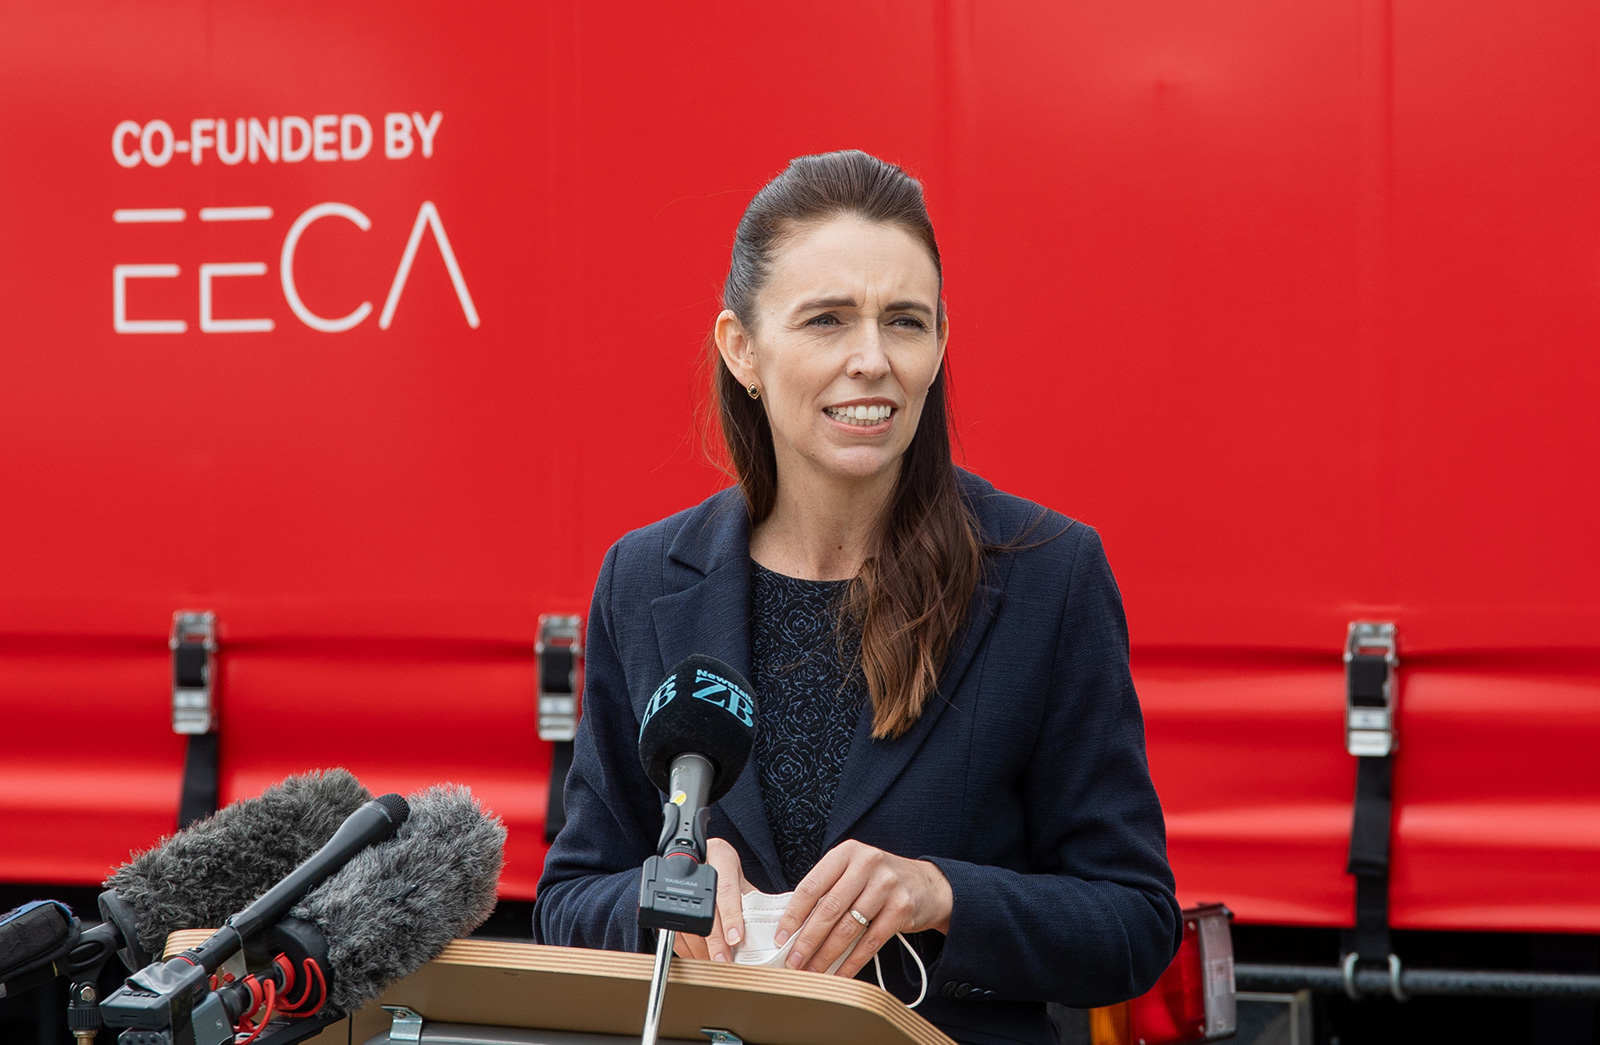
(407, 1025)
(1370, 661)
(559, 652)
(194, 655)
(719, 1036)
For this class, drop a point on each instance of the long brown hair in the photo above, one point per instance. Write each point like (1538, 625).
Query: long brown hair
(912, 593)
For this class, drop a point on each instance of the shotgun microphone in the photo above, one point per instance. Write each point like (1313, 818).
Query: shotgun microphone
(192, 879)
(162, 997)
(199, 876)
(381, 917)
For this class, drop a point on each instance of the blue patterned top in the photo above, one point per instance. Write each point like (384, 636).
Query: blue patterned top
(811, 691)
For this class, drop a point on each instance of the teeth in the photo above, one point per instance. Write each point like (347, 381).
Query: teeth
(860, 415)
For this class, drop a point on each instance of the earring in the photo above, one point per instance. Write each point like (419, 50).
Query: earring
(754, 390)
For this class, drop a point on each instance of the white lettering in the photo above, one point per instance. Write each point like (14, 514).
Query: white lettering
(288, 139)
(347, 149)
(151, 129)
(230, 158)
(296, 153)
(325, 138)
(120, 274)
(428, 215)
(124, 158)
(199, 139)
(265, 141)
(426, 131)
(228, 326)
(286, 261)
(397, 143)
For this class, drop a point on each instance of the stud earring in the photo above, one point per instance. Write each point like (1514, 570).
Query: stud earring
(754, 390)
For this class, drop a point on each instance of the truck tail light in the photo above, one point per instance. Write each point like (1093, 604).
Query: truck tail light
(1193, 1000)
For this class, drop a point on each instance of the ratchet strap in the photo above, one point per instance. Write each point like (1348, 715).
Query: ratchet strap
(1370, 663)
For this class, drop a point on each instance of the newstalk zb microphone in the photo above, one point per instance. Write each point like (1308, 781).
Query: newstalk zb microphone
(695, 738)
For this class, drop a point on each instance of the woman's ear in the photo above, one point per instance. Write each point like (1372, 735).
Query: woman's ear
(944, 335)
(735, 347)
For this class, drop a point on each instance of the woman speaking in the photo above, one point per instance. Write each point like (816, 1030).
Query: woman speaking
(949, 744)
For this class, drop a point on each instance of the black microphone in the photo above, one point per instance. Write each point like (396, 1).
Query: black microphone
(162, 997)
(694, 740)
(192, 879)
(390, 910)
(33, 939)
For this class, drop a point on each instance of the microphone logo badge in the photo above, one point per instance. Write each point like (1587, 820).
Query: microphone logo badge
(659, 699)
(714, 689)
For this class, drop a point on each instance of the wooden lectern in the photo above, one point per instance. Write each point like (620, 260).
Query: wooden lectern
(570, 989)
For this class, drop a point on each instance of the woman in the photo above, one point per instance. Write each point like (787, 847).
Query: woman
(949, 744)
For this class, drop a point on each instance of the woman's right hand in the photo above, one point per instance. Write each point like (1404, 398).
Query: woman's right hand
(727, 928)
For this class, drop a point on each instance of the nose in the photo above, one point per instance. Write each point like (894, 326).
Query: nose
(867, 357)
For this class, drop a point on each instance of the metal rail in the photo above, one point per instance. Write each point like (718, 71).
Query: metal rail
(1419, 982)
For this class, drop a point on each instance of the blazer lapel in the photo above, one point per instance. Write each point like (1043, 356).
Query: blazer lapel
(711, 616)
(873, 765)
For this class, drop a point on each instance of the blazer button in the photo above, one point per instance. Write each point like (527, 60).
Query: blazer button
(948, 989)
(965, 990)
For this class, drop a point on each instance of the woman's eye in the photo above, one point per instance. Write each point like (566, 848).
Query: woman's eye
(827, 319)
(910, 322)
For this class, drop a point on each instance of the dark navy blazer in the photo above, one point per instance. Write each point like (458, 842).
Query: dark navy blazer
(1024, 780)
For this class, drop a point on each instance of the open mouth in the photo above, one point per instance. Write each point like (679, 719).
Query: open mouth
(860, 416)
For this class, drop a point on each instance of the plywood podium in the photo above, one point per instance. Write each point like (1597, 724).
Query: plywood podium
(569, 989)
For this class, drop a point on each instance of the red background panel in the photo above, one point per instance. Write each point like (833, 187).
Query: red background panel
(1296, 304)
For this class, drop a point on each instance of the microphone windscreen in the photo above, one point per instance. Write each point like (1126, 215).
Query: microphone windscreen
(211, 869)
(705, 707)
(394, 906)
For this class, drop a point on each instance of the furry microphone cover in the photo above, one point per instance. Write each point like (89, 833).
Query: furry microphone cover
(394, 906)
(216, 867)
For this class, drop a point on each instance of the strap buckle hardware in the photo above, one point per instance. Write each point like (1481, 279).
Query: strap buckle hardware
(1370, 661)
(194, 653)
(559, 652)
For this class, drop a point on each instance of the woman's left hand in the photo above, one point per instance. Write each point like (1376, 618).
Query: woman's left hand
(893, 894)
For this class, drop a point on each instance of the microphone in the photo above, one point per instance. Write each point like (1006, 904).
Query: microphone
(199, 876)
(191, 879)
(695, 738)
(387, 912)
(33, 939)
(162, 997)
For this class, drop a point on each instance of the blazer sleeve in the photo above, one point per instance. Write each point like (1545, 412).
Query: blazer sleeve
(588, 895)
(1094, 921)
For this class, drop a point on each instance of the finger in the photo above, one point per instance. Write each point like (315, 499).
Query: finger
(874, 938)
(849, 931)
(821, 878)
(730, 899)
(826, 913)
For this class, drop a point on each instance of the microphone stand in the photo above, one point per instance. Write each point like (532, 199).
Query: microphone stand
(658, 986)
(678, 889)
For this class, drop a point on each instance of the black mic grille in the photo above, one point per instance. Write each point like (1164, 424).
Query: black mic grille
(395, 808)
(704, 707)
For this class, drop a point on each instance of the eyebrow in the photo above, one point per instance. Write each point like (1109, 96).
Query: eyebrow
(847, 302)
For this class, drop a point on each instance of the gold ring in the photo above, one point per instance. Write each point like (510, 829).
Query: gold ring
(858, 916)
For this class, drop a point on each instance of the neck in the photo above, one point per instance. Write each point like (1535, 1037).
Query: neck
(819, 529)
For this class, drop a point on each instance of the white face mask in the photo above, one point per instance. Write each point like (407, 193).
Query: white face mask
(761, 914)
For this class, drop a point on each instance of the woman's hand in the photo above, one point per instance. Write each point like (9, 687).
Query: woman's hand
(727, 927)
(893, 894)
